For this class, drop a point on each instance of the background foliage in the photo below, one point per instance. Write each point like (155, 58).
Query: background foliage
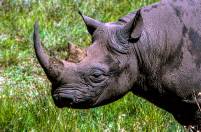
(25, 101)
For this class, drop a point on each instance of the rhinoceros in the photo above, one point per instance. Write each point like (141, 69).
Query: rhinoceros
(153, 52)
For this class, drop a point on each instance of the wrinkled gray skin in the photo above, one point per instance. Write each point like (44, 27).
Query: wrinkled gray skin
(154, 52)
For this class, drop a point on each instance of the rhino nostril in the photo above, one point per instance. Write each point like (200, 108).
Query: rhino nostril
(62, 100)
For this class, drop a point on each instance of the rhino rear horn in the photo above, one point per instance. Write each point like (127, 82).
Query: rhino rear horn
(90, 23)
(76, 54)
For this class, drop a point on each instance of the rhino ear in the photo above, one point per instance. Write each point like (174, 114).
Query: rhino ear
(91, 23)
(133, 29)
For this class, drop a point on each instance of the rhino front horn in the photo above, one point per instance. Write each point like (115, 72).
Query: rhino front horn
(42, 57)
(91, 23)
(51, 66)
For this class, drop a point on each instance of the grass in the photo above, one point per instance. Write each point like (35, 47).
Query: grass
(25, 101)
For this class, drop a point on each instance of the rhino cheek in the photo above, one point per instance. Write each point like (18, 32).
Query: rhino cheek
(116, 89)
(107, 97)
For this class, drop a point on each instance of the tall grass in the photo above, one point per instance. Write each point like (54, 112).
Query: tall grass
(25, 101)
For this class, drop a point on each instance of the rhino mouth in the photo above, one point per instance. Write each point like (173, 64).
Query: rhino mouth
(62, 100)
(74, 98)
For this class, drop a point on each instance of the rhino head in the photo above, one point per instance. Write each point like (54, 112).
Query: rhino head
(102, 73)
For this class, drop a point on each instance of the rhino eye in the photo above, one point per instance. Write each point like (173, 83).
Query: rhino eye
(97, 77)
(97, 74)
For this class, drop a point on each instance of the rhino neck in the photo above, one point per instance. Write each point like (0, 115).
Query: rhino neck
(151, 55)
(144, 50)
